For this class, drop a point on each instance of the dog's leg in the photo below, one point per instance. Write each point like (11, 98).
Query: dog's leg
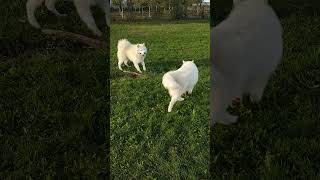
(51, 6)
(174, 99)
(31, 6)
(121, 58)
(119, 65)
(143, 66)
(136, 65)
(84, 11)
(105, 6)
(107, 13)
(223, 92)
(256, 87)
(221, 99)
(126, 63)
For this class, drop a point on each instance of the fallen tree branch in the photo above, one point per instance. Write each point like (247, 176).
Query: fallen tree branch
(132, 74)
(77, 37)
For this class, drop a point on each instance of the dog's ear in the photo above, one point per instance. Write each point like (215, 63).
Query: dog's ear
(183, 61)
(138, 45)
(143, 44)
(193, 61)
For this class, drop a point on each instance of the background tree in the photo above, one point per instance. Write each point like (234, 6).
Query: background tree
(151, 3)
(201, 8)
(185, 5)
(121, 6)
(177, 9)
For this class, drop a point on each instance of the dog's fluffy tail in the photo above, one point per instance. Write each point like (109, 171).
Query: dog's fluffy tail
(169, 82)
(122, 44)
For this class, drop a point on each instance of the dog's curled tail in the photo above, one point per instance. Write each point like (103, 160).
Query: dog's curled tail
(169, 82)
(122, 44)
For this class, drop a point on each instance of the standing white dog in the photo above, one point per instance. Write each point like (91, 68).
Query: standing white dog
(83, 9)
(133, 52)
(180, 81)
(246, 48)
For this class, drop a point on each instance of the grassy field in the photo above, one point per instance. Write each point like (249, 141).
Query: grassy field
(146, 141)
(53, 98)
(279, 137)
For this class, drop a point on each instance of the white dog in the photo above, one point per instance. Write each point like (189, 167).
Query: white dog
(83, 9)
(180, 81)
(246, 48)
(134, 52)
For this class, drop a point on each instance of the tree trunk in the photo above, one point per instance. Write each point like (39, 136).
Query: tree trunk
(122, 15)
(202, 13)
(201, 8)
(197, 9)
(149, 11)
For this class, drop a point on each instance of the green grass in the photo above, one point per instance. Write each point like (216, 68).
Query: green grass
(146, 140)
(278, 138)
(53, 99)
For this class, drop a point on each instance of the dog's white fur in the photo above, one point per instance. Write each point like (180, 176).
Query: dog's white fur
(133, 52)
(83, 9)
(180, 81)
(245, 49)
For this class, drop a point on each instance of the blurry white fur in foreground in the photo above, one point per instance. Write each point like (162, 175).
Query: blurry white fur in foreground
(245, 50)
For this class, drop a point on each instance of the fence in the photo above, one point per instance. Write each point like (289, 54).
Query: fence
(157, 12)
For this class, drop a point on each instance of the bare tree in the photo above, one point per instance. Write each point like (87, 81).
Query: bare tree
(200, 2)
(120, 4)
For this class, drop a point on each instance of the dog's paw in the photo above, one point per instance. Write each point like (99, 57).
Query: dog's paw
(35, 25)
(62, 15)
(181, 99)
(230, 119)
(226, 119)
(97, 32)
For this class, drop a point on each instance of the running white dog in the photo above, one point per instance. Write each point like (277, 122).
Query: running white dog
(83, 9)
(134, 52)
(180, 81)
(246, 49)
